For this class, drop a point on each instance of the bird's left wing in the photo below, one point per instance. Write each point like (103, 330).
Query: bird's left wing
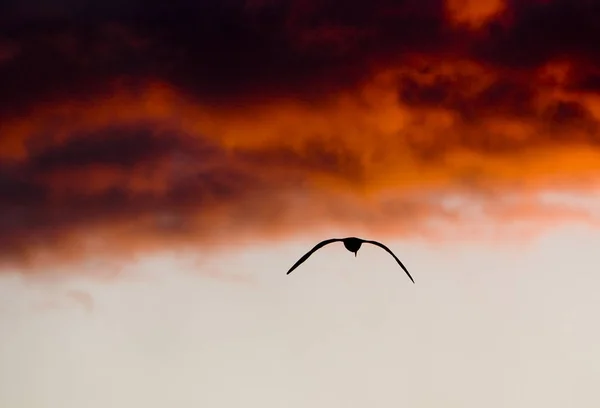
(309, 253)
(379, 244)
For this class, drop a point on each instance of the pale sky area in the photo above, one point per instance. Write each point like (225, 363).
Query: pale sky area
(485, 325)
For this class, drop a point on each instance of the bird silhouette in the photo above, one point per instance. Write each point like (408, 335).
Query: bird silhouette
(352, 244)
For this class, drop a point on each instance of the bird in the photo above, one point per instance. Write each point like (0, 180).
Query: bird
(352, 244)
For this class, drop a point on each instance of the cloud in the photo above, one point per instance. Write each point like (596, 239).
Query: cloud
(536, 32)
(248, 51)
(133, 126)
(84, 299)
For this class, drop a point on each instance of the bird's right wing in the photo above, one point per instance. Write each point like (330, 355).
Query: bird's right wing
(380, 245)
(309, 253)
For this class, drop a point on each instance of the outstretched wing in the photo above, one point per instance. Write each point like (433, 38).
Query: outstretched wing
(309, 253)
(392, 254)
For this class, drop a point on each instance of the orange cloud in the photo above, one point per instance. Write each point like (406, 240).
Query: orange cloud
(309, 114)
(136, 180)
(474, 13)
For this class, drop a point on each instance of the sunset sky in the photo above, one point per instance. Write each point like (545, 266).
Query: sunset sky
(163, 164)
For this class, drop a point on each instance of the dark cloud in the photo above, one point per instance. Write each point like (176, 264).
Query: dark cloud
(585, 79)
(213, 50)
(314, 155)
(536, 32)
(474, 99)
(502, 97)
(568, 113)
(119, 174)
(219, 50)
(120, 147)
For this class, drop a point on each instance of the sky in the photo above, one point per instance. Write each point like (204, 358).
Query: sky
(163, 164)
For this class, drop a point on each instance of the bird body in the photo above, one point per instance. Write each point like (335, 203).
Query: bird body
(352, 244)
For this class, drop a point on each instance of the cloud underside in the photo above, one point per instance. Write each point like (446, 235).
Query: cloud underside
(132, 127)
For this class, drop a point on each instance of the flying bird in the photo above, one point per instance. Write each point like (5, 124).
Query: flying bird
(352, 244)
